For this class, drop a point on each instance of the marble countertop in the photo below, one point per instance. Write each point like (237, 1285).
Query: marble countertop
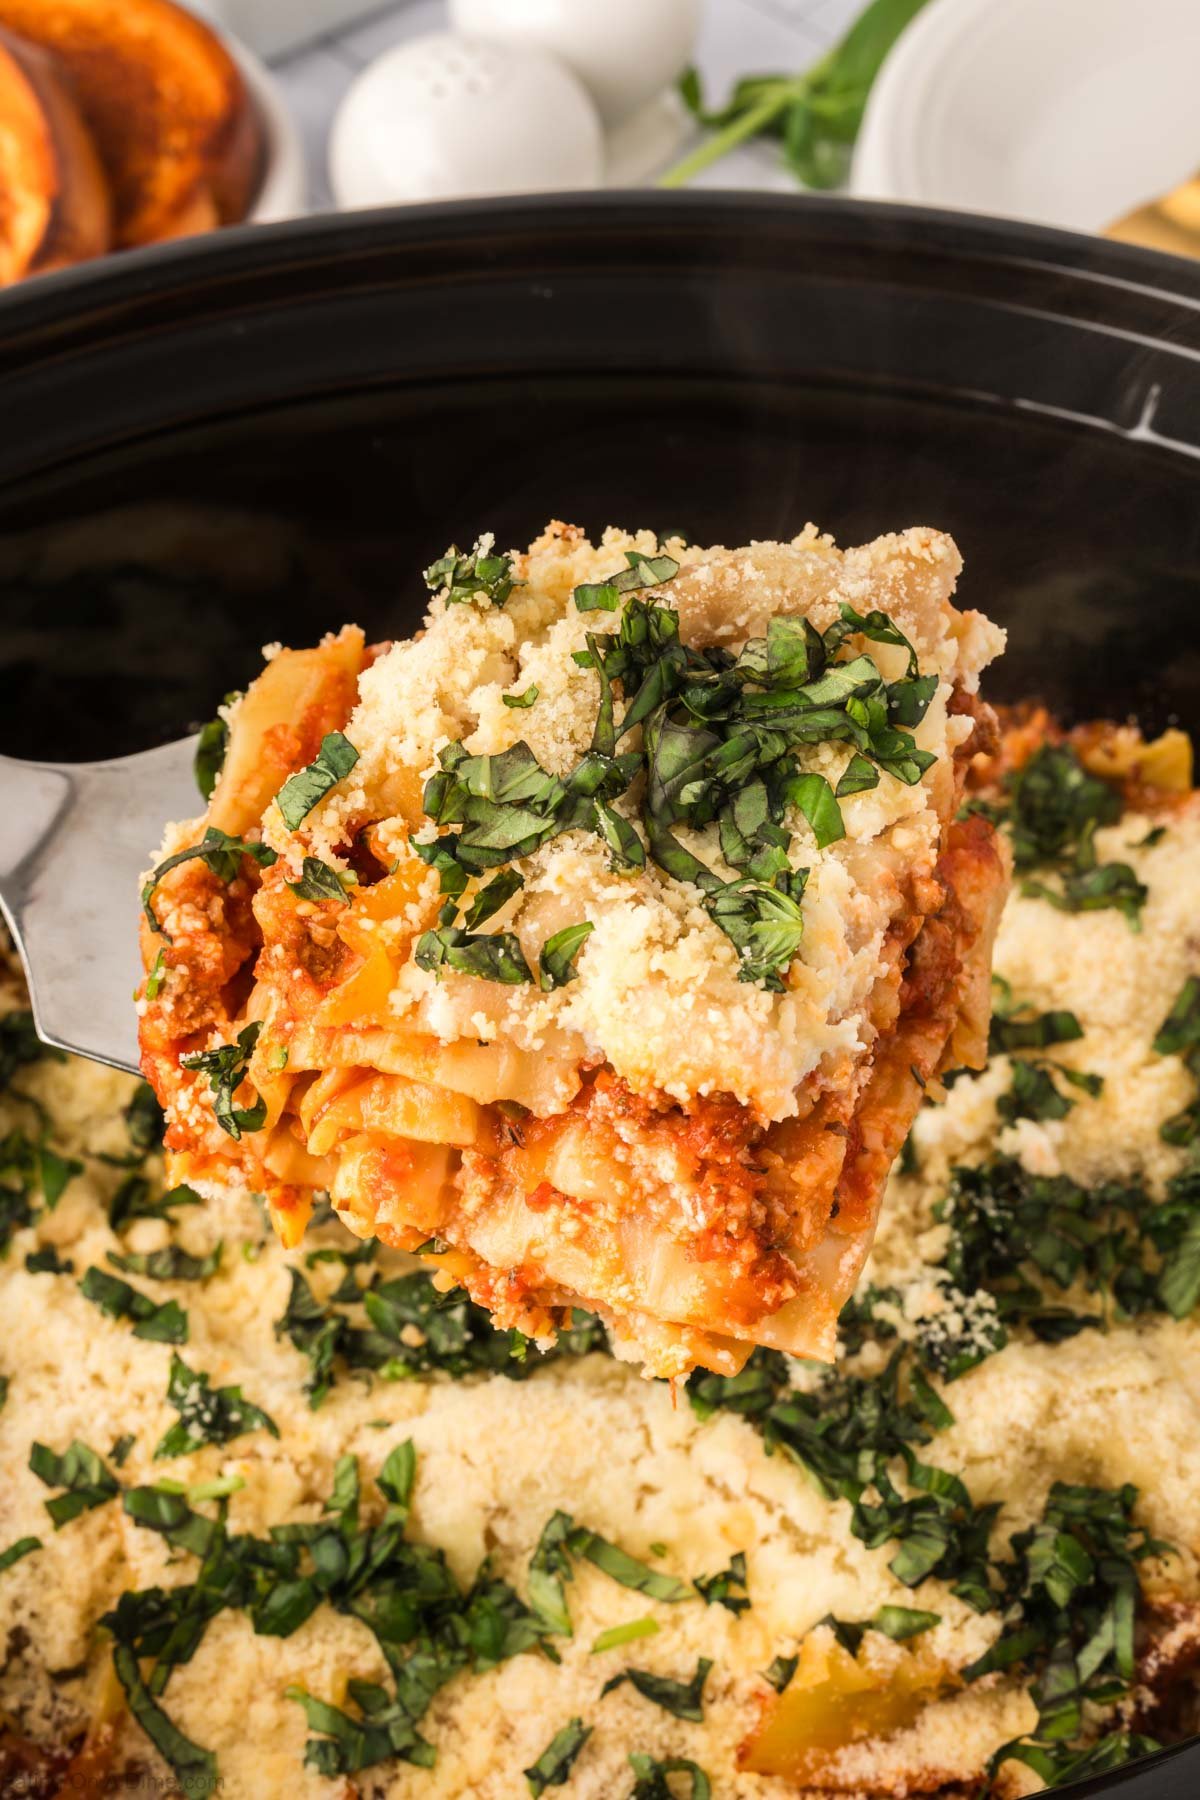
(738, 37)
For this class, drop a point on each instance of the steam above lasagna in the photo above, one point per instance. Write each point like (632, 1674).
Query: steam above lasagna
(596, 944)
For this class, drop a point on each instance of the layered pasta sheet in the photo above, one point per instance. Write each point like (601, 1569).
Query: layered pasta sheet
(597, 943)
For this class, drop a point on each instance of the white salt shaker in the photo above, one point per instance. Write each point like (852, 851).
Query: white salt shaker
(447, 116)
(628, 54)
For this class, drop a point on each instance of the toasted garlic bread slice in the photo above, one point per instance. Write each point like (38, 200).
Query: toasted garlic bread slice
(172, 120)
(55, 206)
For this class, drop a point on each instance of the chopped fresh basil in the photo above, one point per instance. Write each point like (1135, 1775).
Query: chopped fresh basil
(195, 1767)
(493, 956)
(160, 1324)
(1072, 1590)
(171, 1263)
(719, 743)
(1011, 1233)
(1091, 890)
(640, 572)
(226, 1066)
(47, 1261)
(156, 977)
(315, 1332)
(20, 1045)
(682, 1698)
(491, 897)
(1057, 1764)
(780, 1672)
(521, 701)
(136, 1199)
(301, 792)
(480, 575)
(54, 1172)
(319, 882)
(1034, 1094)
(558, 1758)
(549, 1569)
(1179, 1033)
(717, 1590)
(211, 747)
(121, 1448)
(207, 1415)
(556, 961)
(221, 855)
(23, 1547)
(348, 1745)
(651, 1774)
(1053, 808)
(620, 1566)
(81, 1472)
(1020, 1028)
(144, 1119)
(616, 1635)
(903, 1622)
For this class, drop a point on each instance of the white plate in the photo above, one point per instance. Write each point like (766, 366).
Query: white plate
(1068, 112)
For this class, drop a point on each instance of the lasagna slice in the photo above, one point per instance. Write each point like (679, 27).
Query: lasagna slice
(597, 943)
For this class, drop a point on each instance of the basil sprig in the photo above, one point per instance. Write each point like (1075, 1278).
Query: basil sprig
(219, 853)
(718, 747)
(226, 1065)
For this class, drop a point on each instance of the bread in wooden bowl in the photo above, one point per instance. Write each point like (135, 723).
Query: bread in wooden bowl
(55, 205)
(172, 119)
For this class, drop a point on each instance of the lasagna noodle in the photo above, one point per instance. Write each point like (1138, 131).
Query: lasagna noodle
(535, 1160)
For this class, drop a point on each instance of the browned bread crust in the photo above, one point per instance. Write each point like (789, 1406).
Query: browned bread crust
(165, 103)
(55, 205)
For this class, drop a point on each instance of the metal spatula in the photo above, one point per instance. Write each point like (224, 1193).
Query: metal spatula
(74, 838)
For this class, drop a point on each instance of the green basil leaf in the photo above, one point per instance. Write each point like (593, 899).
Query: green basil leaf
(195, 1767)
(160, 1324)
(497, 956)
(211, 747)
(226, 1066)
(903, 1622)
(619, 1566)
(492, 896)
(558, 1758)
(556, 962)
(207, 1415)
(717, 1590)
(319, 882)
(171, 1263)
(23, 1547)
(815, 798)
(684, 1699)
(521, 701)
(481, 574)
(81, 1472)
(1179, 1033)
(302, 791)
(221, 855)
